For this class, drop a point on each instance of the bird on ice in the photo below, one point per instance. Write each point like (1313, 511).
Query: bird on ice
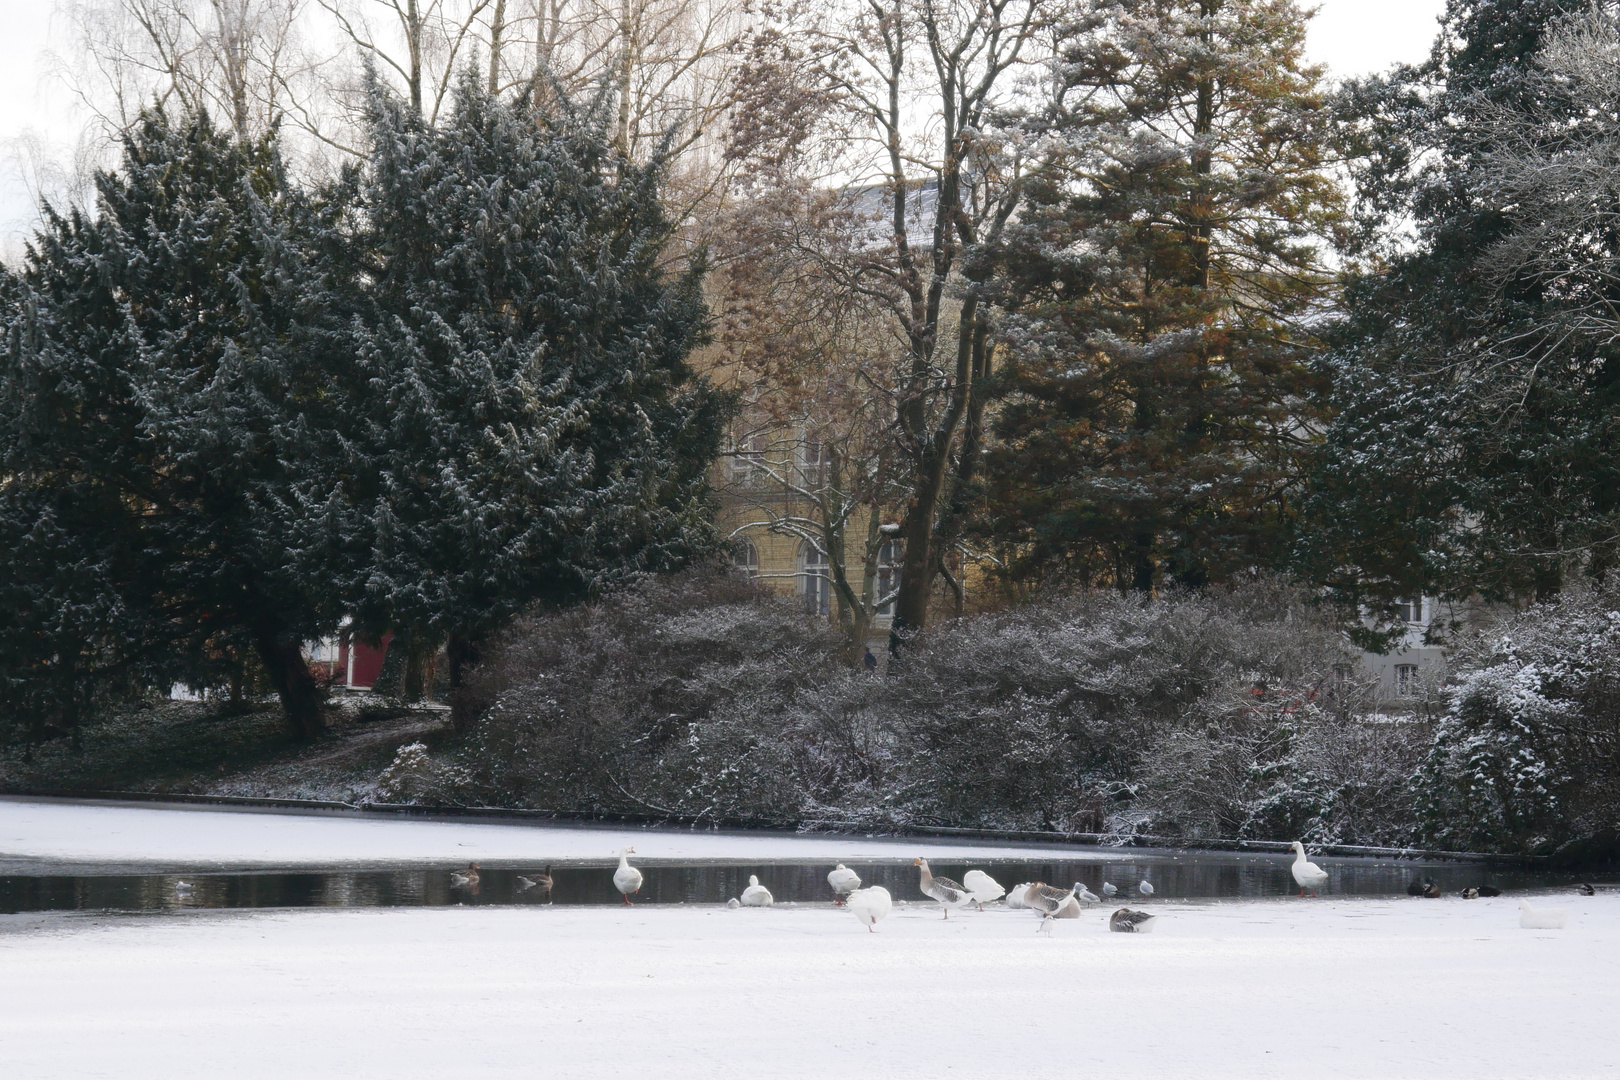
(984, 888)
(757, 895)
(1050, 902)
(1015, 896)
(1545, 919)
(1085, 895)
(1126, 921)
(1307, 875)
(627, 879)
(843, 881)
(870, 905)
(1110, 890)
(947, 892)
(1144, 887)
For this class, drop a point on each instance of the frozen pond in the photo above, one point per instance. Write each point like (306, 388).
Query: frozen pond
(1174, 875)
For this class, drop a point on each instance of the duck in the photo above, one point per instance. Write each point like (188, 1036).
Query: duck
(465, 879)
(1126, 921)
(1085, 895)
(1431, 890)
(1307, 875)
(182, 887)
(627, 879)
(1110, 890)
(1489, 890)
(985, 889)
(1415, 889)
(947, 892)
(1585, 889)
(1144, 887)
(870, 905)
(539, 881)
(1050, 902)
(757, 895)
(843, 881)
(1469, 894)
(1545, 919)
(1015, 896)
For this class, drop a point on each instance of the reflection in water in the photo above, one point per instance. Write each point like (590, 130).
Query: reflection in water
(1173, 875)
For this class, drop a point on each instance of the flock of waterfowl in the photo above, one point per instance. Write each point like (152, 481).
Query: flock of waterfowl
(872, 904)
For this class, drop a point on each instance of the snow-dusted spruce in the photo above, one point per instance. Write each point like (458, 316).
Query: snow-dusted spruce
(527, 426)
(166, 432)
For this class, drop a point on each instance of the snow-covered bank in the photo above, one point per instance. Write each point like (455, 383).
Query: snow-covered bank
(49, 830)
(1336, 988)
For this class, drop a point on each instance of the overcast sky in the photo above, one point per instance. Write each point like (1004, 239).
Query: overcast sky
(1350, 36)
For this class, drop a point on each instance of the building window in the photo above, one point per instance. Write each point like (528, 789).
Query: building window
(888, 576)
(745, 557)
(815, 579)
(1406, 679)
(1410, 610)
(812, 462)
(748, 466)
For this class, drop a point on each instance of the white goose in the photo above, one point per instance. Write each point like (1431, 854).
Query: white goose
(985, 889)
(1015, 898)
(1306, 873)
(870, 905)
(843, 881)
(1545, 919)
(627, 879)
(947, 892)
(757, 895)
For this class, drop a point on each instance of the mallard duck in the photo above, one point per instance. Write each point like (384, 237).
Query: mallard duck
(1489, 890)
(757, 895)
(870, 905)
(627, 879)
(843, 881)
(947, 892)
(1545, 919)
(1307, 875)
(1469, 894)
(1431, 890)
(1585, 889)
(1126, 921)
(985, 889)
(465, 879)
(1415, 889)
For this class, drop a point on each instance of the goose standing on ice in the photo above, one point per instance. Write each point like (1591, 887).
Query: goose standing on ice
(843, 881)
(985, 889)
(1307, 875)
(947, 892)
(1545, 919)
(1050, 902)
(627, 879)
(1126, 921)
(757, 895)
(1144, 887)
(870, 905)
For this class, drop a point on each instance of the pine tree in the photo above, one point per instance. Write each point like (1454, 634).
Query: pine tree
(528, 426)
(1162, 279)
(161, 420)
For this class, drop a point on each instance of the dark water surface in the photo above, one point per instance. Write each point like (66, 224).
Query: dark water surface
(1174, 875)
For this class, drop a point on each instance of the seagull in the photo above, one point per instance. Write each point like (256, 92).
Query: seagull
(1145, 887)
(1126, 921)
(757, 895)
(467, 878)
(627, 879)
(1545, 919)
(1110, 890)
(870, 905)
(1085, 895)
(984, 888)
(947, 892)
(843, 881)
(1307, 875)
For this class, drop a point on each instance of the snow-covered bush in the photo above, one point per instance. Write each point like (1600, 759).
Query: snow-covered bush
(415, 776)
(1527, 755)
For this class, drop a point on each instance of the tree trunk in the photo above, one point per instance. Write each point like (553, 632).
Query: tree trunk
(289, 674)
(414, 674)
(497, 30)
(462, 655)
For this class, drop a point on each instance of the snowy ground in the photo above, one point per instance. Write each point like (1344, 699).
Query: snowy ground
(49, 830)
(1335, 988)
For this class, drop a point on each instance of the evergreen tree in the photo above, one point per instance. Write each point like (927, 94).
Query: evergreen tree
(161, 415)
(1474, 449)
(528, 426)
(1162, 278)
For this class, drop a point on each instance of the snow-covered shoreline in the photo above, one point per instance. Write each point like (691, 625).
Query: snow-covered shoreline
(1338, 988)
(177, 836)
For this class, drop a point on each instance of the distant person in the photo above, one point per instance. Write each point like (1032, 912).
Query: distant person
(869, 660)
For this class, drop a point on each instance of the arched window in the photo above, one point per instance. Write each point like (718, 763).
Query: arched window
(745, 557)
(815, 579)
(888, 576)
